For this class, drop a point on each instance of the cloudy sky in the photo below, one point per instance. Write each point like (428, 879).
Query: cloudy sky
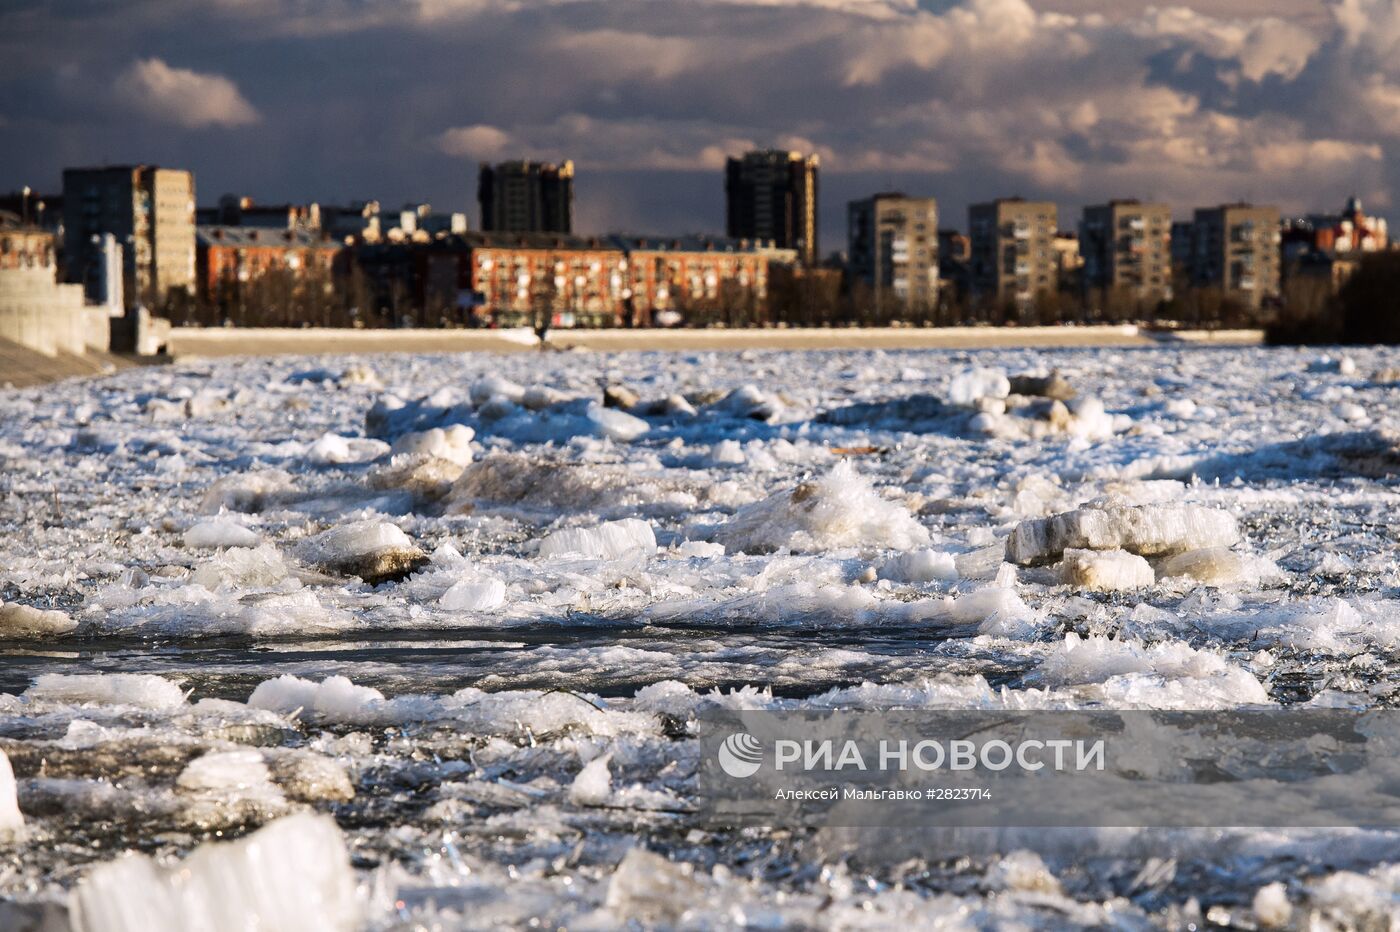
(1291, 101)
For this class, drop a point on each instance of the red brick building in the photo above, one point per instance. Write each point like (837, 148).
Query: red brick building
(226, 255)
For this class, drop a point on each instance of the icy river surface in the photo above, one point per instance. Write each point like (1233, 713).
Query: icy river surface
(406, 642)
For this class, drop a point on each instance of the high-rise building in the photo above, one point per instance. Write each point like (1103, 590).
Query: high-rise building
(892, 244)
(1235, 247)
(1013, 257)
(1126, 248)
(526, 197)
(772, 195)
(151, 213)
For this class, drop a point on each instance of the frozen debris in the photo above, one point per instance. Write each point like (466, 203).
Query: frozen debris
(699, 548)
(747, 401)
(546, 488)
(242, 567)
(1271, 907)
(1146, 530)
(920, 566)
(247, 492)
(1350, 411)
(620, 396)
(611, 541)
(332, 449)
(1220, 566)
(220, 532)
(1131, 670)
(452, 443)
(614, 424)
(293, 873)
(25, 621)
(672, 406)
(426, 478)
(496, 388)
(334, 699)
(593, 785)
(310, 777)
(836, 511)
(1052, 386)
(1387, 376)
(228, 788)
(471, 595)
(140, 690)
(968, 387)
(539, 397)
(11, 820)
(648, 889)
(1025, 871)
(1106, 570)
(359, 377)
(375, 551)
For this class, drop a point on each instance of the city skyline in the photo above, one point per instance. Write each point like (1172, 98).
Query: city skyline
(401, 101)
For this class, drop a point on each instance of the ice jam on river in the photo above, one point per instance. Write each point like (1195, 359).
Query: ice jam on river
(421, 641)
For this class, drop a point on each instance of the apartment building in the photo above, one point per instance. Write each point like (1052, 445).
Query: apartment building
(526, 197)
(151, 213)
(1126, 250)
(771, 195)
(1235, 247)
(1013, 258)
(892, 247)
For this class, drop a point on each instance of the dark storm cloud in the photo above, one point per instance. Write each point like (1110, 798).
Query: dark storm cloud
(397, 99)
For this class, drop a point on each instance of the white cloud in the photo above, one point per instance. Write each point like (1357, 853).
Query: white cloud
(183, 97)
(478, 142)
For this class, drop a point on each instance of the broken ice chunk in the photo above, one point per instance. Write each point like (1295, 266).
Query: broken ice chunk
(652, 890)
(220, 532)
(452, 443)
(918, 566)
(610, 541)
(615, 424)
(293, 873)
(593, 785)
(699, 548)
(838, 510)
(1219, 566)
(967, 387)
(25, 621)
(332, 449)
(1106, 570)
(143, 690)
(427, 478)
(471, 595)
(247, 492)
(1146, 530)
(11, 820)
(375, 551)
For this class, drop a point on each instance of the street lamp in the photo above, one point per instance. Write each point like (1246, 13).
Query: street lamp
(24, 205)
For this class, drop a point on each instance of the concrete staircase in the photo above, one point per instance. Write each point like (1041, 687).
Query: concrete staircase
(21, 367)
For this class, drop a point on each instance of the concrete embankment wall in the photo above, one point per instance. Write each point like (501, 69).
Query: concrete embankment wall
(49, 318)
(187, 341)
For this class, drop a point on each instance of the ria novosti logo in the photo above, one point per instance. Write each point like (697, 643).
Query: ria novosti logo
(740, 755)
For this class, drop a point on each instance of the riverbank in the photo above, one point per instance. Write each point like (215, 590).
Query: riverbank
(189, 341)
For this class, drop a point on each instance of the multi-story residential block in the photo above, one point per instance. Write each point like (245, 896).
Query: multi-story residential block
(1235, 247)
(771, 195)
(150, 211)
(892, 246)
(698, 276)
(1126, 251)
(513, 279)
(526, 197)
(1013, 258)
(228, 257)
